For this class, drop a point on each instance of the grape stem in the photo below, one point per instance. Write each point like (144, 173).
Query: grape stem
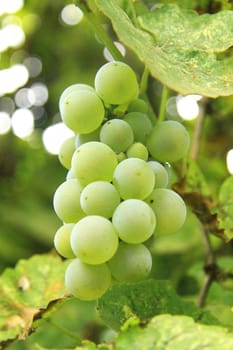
(162, 108)
(210, 268)
(197, 134)
(98, 29)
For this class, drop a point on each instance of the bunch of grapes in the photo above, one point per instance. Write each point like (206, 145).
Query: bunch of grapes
(115, 196)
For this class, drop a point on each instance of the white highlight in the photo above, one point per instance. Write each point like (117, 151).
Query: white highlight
(71, 14)
(34, 66)
(11, 35)
(22, 122)
(39, 94)
(187, 106)
(12, 78)
(10, 6)
(230, 161)
(5, 123)
(54, 136)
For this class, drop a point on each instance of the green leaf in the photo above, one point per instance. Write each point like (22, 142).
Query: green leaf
(26, 292)
(145, 300)
(166, 332)
(224, 209)
(174, 332)
(179, 47)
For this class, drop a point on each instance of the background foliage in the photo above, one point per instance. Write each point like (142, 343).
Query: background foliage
(29, 176)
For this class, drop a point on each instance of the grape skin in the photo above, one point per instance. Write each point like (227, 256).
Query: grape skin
(168, 142)
(66, 201)
(62, 241)
(134, 221)
(131, 263)
(87, 282)
(116, 83)
(94, 240)
(170, 210)
(99, 198)
(133, 178)
(117, 134)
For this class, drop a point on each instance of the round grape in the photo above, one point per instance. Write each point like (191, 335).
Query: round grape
(140, 124)
(66, 201)
(134, 221)
(82, 111)
(94, 161)
(62, 241)
(94, 240)
(116, 83)
(137, 150)
(133, 178)
(66, 152)
(168, 142)
(161, 174)
(117, 134)
(87, 282)
(131, 263)
(169, 208)
(99, 198)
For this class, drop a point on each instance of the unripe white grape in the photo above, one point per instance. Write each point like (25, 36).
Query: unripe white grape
(140, 124)
(87, 282)
(134, 221)
(133, 178)
(66, 201)
(62, 241)
(82, 111)
(117, 134)
(66, 152)
(169, 208)
(161, 174)
(168, 142)
(131, 263)
(94, 161)
(137, 150)
(116, 83)
(94, 240)
(73, 88)
(99, 198)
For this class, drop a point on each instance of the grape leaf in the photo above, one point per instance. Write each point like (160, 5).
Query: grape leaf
(224, 208)
(166, 332)
(180, 48)
(145, 300)
(26, 292)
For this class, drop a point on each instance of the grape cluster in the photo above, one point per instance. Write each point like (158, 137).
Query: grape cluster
(115, 195)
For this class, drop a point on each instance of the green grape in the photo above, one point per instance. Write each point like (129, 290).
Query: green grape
(169, 208)
(66, 152)
(117, 134)
(82, 111)
(66, 201)
(131, 263)
(70, 175)
(138, 105)
(62, 241)
(137, 150)
(72, 88)
(116, 83)
(87, 282)
(168, 142)
(120, 156)
(94, 161)
(134, 221)
(84, 138)
(94, 240)
(161, 174)
(141, 125)
(99, 198)
(133, 178)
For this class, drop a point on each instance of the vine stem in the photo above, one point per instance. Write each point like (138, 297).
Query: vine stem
(209, 275)
(98, 29)
(162, 108)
